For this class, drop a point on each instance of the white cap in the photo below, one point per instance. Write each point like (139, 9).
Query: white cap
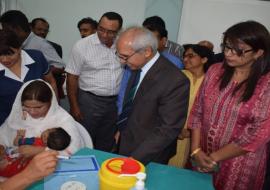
(139, 185)
(140, 182)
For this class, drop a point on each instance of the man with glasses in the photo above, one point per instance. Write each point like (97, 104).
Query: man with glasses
(93, 81)
(159, 104)
(162, 36)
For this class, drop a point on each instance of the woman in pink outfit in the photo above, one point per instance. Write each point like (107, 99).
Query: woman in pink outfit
(230, 119)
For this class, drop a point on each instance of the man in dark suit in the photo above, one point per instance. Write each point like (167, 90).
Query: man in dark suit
(159, 108)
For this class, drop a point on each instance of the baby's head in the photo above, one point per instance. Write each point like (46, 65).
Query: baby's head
(56, 138)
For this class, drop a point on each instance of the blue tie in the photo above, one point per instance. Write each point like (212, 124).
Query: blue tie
(128, 99)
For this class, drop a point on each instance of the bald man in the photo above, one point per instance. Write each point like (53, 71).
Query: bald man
(159, 107)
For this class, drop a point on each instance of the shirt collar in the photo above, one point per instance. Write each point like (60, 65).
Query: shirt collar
(26, 60)
(150, 63)
(26, 41)
(146, 68)
(96, 41)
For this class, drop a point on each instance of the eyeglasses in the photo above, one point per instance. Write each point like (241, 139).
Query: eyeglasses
(125, 58)
(235, 51)
(108, 32)
(189, 55)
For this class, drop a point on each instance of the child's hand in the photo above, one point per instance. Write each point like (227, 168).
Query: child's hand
(21, 133)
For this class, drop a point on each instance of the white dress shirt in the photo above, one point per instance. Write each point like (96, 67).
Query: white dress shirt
(96, 65)
(35, 42)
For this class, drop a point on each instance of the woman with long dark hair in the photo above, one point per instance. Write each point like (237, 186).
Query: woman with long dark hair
(230, 118)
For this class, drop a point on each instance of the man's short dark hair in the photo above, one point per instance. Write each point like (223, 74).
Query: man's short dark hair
(160, 30)
(35, 20)
(88, 20)
(154, 21)
(113, 16)
(58, 139)
(15, 19)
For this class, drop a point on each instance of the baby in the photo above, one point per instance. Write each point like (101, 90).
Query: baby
(53, 138)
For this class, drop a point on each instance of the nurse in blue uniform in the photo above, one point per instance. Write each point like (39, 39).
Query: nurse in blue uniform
(18, 66)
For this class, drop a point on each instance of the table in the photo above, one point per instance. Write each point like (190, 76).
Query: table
(159, 177)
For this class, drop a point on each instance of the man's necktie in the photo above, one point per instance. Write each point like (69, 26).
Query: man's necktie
(128, 99)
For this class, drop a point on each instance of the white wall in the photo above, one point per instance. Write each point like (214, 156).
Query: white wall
(63, 16)
(169, 11)
(208, 19)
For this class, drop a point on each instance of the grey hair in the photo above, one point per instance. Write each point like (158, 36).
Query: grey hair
(142, 39)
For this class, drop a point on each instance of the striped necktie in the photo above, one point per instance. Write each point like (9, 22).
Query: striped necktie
(128, 99)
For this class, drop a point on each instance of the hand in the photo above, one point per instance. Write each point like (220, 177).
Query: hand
(29, 151)
(21, 133)
(41, 165)
(185, 133)
(204, 162)
(76, 113)
(2, 151)
(117, 136)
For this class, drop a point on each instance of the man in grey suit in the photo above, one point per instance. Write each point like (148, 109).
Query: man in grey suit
(159, 107)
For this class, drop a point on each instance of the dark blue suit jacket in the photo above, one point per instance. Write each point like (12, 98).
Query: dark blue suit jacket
(158, 114)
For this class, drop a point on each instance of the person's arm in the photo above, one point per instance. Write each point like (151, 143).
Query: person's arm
(20, 135)
(40, 166)
(72, 92)
(2, 152)
(50, 79)
(253, 137)
(56, 70)
(200, 159)
(228, 151)
(203, 162)
(195, 139)
(74, 69)
(30, 150)
(206, 163)
(51, 55)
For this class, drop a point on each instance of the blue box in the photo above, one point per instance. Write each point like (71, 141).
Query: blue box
(83, 169)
